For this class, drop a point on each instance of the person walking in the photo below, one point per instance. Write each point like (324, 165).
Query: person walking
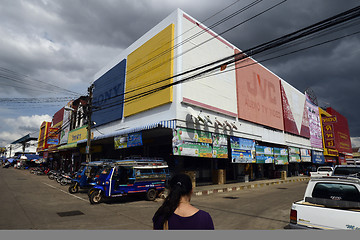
(176, 212)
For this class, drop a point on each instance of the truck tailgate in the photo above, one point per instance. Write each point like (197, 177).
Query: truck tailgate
(311, 215)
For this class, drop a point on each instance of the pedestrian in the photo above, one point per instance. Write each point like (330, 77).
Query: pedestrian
(176, 212)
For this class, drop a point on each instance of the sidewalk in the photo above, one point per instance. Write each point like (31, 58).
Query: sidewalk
(219, 188)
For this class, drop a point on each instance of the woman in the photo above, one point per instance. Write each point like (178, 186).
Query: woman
(176, 212)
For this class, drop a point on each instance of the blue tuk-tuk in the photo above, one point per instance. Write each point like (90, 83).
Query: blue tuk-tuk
(132, 176)
(86, 176)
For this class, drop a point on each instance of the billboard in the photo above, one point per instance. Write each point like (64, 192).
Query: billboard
(294, 111)
(108, 95)
(242, 150)
(196, 143)
(149, 67)
(264, 154)
(305, 155)
(281, 156)
(258, 94)
(128, 140)
(341, 132)
(294, 155)
(218, 89)
(314, 124)
(317, 157)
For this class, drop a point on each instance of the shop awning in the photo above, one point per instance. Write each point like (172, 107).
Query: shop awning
(67, 146)
(165, 124)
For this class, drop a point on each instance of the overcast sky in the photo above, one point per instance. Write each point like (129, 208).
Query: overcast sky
(48, 46)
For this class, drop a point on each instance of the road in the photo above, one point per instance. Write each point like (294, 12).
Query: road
(35, 202)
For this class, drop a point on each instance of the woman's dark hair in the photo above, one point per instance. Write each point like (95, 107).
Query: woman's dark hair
(179, 185)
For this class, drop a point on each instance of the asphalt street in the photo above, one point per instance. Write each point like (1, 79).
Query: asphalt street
(35, 202)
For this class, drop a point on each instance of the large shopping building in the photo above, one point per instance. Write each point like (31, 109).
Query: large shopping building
(154, 100)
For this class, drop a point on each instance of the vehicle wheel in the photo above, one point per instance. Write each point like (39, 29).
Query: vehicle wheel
(95, 197)
(74, 188)
(63, 182)
(51, 176)
(151, 194)
(58, 179)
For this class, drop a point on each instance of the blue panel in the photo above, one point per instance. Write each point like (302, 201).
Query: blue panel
(317, 157)
(108, 95)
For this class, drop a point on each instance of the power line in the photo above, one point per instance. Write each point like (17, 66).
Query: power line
(320, 26)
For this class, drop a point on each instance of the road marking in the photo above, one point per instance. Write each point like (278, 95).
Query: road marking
(66, 192)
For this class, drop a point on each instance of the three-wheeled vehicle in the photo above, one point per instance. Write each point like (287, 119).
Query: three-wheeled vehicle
(131, 176)
(86, 176)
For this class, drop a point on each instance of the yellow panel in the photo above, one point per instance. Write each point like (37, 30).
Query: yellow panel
(150, 63)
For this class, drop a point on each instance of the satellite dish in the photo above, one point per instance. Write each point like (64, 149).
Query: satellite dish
(311, 95)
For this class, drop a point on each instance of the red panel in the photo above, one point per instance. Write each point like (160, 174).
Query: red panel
(341, 131)
(258, 94)
(289, 121)
(58, 117)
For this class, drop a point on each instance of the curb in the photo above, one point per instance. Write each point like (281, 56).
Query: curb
(246, 186)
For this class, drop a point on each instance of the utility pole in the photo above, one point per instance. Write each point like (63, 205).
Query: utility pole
(89, 112)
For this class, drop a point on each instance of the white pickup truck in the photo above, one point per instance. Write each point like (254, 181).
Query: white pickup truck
(322, 171)
(329, 203)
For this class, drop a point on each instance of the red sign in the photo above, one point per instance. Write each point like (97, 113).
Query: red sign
(329, 135)
(258, 94)
(341, 133)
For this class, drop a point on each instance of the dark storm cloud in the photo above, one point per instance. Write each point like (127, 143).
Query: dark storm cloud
(66, 42)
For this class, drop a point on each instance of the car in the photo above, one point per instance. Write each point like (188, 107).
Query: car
(347, 170)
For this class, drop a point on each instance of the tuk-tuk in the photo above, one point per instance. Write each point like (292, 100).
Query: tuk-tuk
(132, 176)
(87, 175)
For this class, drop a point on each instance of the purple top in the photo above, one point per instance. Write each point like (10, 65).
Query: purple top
(201, 220)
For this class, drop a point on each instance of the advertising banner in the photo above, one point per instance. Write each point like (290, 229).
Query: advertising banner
(305, 155)
(53, 137)
(341, 131)
(329, 134)
(242, 150)
(317, 157)
(294, 155)
(294, 110)
(128, 140)
(193, 135)
(196, 143)
(314, 124)
(108, 95)
(258, 94)
(264, 154)
(281, 156)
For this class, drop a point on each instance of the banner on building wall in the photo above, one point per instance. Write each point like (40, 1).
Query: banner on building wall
(294, 155)
(128, 140)
(53, 137)
(196, 143)
(317, 157)
(329, 133)
(314, 124)
(242, 150)
(108, 95)
(264, 154)
(305, 155)
(77, 134)
(281, 156)
(294, 110)
(258, 94)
